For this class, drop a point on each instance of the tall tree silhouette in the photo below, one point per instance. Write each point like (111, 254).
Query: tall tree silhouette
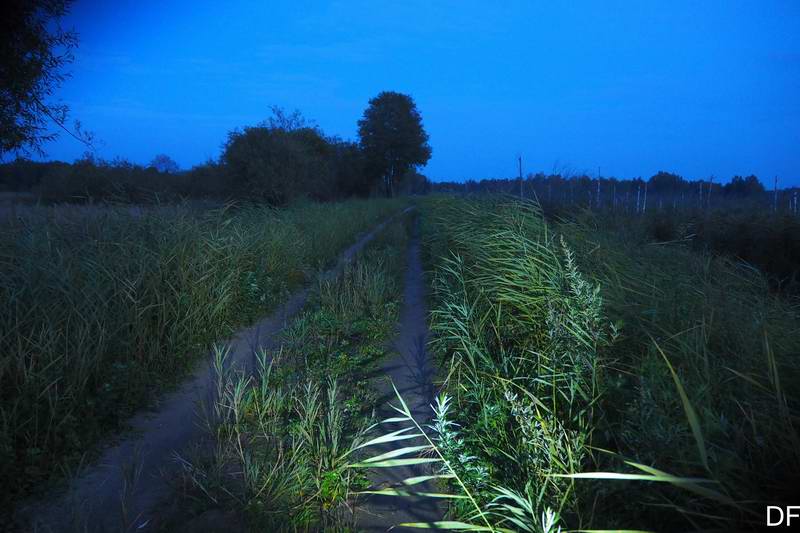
(34, 48)
(392, 138)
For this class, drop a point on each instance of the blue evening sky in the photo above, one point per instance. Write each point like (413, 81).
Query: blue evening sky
(700, 88)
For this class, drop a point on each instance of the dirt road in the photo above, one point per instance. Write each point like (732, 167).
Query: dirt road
(411, 371)
(121, 490)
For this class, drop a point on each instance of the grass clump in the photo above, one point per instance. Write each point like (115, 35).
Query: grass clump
(98, 311)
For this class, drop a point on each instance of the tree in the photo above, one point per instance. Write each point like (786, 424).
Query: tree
(33, 52)
(351, 177)
(392, 138)
(742, 187)
(164, 163)
(280, 159)
(665, 182)
(412, 182)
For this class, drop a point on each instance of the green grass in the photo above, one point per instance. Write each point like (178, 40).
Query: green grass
(517, 331)
(589, 379)
(597, 382)
(284, 438)
(704, 383)
(97, 312)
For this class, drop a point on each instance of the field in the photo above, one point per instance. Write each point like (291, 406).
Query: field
(102, 307)
(585, 372)
(577, 374)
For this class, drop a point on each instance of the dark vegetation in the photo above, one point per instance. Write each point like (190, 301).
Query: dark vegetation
(594, 382)
(34, 49)
(738, 219)
(100, 312)
(393, 139)
(613, 353)
(293, 427)
(281, 159)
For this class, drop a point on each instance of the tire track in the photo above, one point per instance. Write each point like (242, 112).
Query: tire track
(122, 489)
(411, 370)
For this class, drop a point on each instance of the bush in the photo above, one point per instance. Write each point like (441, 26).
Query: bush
(276, 165)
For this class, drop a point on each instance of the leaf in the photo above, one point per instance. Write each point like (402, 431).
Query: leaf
(396, 453)
(463, 526)
(407, 493)
(635, 477)
(389, 437)
(422, 479)
(691, 414)
(396, 462)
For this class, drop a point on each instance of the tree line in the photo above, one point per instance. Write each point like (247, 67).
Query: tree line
(280, 159)
(664, 191)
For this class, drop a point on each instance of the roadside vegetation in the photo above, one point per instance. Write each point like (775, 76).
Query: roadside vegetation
(583, 371)
(101, 311)
(283, 438)
(613, 354)
(703, 383)
(739, 219)
(761, 238)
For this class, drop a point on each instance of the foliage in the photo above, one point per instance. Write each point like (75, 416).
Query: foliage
(165, 164)
(764, 240)
(591, 371)
(392, 138)
(665, 182)
(33, 52)
(294, 427)
(508, 511)
(280, 160)
(98, 309)
(702, 394)
(562, 193)
(518, 331)
(740, 186)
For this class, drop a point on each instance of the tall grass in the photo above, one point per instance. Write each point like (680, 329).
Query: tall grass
(602, 382)
(98, 311)
(766, 240)
(285, 437)
(704, 383)
(517, 331)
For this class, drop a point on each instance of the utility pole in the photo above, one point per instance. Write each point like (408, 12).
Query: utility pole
(644, 207)
(520, 176)
(708, 198)
(597, 196)
(775, 200)
(638, 194)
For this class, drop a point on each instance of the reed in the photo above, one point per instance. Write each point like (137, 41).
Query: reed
(595, 381)
(99, 312)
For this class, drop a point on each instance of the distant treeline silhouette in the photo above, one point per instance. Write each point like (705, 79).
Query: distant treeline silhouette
(280, 159)
(662, 191)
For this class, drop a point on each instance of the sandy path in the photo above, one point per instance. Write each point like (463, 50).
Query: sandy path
(411, 370)
(99, 492)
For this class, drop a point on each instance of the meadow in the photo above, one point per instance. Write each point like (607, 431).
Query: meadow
(103, 309)
(589, 373)
(590, 380)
